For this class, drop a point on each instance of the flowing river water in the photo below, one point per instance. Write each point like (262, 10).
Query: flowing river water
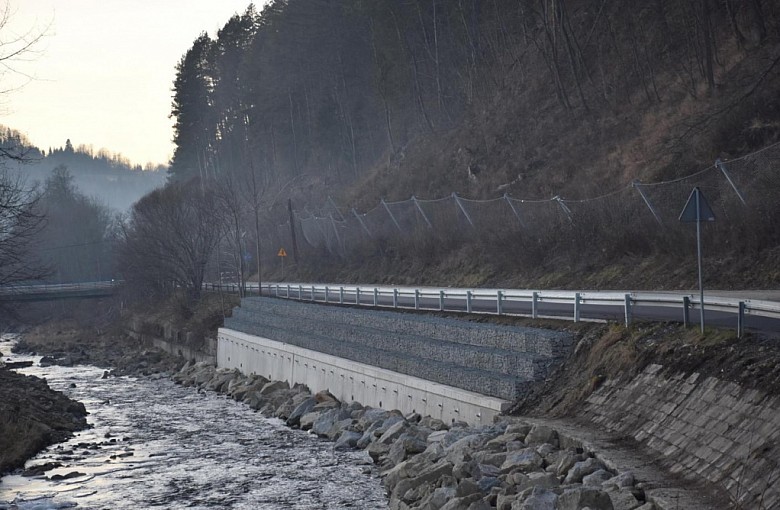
(153, 444)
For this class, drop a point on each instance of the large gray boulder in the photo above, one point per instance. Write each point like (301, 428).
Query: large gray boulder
(525, 460)
(540, 434)
(347, 440)
(273, 386)
(597, 478)
(393, 432)
(578, 498)
(463, 503)
(539, 499)
(583, 469)
(405, 446)
(294, 419)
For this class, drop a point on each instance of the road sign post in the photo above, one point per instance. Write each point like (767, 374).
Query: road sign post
(282, 255)
(697, 210)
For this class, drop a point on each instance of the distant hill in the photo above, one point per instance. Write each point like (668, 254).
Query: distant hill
(111, 178)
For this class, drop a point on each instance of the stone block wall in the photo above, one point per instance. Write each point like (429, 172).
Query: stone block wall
(702, 426)
(492, 360)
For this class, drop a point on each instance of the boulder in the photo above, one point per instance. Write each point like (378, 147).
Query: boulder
(377, 450)
(499, 443)
(540, 434)
(324, 423)
(566, 461)
(294, 419)
(467, 487)
(368, 434)
(325, 396)
(307, 420)
(539, 499)
(620, 481)
(623, 500)
(525, 460)
(273, 386)
(393, 432)
(428, 476)
(338, 428)
(405, 446)
(462, 503)
(438, 498)
(407, 469)
(597, 478)
(347, 440)
(518, 428)
(582, 469)
(434, 424)
(483, 470)
(486, 483)
(370, 416)
(578, 498)
(537, 479)
(284, 409)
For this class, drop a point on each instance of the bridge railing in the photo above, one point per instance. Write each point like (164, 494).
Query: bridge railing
(54, 288)
(499, 301)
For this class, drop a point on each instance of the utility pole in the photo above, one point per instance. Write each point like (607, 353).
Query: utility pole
(292, 231)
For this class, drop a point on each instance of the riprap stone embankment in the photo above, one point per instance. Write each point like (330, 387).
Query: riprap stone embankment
(428, 464)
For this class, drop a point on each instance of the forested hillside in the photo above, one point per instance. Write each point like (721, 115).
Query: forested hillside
(340, 103)
(109, 178)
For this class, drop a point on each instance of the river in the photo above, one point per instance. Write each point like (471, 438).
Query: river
(154, 444)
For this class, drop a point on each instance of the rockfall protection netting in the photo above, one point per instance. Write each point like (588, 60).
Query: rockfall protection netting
(744, 194)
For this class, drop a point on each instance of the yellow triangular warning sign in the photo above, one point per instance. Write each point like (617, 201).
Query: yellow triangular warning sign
(281, 253)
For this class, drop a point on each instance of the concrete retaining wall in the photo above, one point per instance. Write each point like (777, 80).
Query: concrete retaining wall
(173, 341)
(492, 360)
(352, 381)
(705, 427)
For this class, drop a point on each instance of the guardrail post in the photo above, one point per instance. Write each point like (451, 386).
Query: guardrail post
(628, 309)
(441, 300)
(313, 298)
(395, 298)
(341, 295)
(276, 289)
(416, 299)
(376, 296)
(741, 320)
(300, 292)
(357, 296)
(288, 292)
(576, 307)
(686, 311)
(499, 297)
(326, 293)
(535, 305)
(468, 301)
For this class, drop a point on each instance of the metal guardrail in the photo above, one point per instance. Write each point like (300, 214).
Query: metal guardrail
(57, 288)
(499, 301)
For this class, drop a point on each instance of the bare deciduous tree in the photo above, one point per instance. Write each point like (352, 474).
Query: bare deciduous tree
(170, 237)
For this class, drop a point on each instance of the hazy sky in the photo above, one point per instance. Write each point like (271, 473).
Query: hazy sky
(103, 74)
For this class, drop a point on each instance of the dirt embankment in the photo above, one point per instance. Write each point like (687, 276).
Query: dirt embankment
(609, 352)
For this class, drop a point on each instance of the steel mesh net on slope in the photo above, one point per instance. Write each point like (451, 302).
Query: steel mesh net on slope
(378, 222)
(321, 232)
(492, 217)
(612, 224)
(443, 218)
(407, 216)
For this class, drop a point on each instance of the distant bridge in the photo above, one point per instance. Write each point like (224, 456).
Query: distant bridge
(54, 291)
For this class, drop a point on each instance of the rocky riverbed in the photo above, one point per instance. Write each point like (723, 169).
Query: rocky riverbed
(32, 415)
(428, 464)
